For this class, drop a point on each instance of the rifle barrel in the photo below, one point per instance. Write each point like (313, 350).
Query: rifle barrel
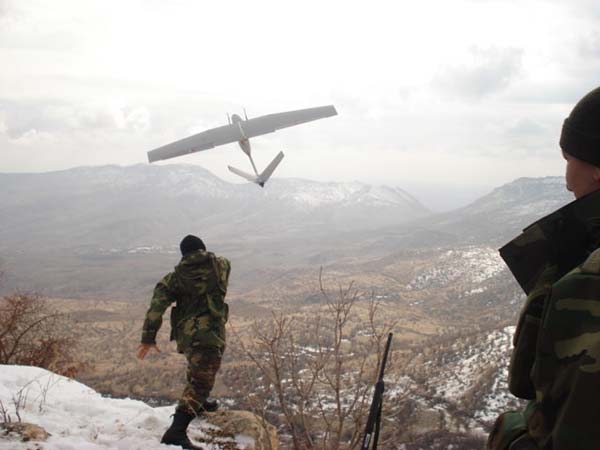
(374, 419)
(385, 355)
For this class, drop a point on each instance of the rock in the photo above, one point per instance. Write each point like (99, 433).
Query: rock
(245, 423)
(23, 431)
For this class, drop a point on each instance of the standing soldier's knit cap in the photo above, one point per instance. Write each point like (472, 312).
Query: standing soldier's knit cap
(190, 244)
(581, 130)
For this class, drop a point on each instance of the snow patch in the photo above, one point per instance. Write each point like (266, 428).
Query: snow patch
(79, 418)
(472, 265)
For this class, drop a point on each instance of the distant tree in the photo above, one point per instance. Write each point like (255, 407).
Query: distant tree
(308, 377)
(33, 334)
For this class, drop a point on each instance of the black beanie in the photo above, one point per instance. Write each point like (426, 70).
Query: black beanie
(191, 243)
(581, 131)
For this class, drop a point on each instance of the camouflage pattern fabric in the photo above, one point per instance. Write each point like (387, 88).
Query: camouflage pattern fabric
(203, 365)
(563, 238)
(525, 339)
(507, 429)
(198, 285)
(557, 352)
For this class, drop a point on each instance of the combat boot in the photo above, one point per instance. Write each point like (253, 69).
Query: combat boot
(176, 434)
(210, 405)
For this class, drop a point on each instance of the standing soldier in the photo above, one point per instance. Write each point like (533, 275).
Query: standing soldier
(198, 286)
(556, 359)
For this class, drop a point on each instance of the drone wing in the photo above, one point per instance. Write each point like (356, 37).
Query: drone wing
(273, 122)
(239, 131)
(201, 141)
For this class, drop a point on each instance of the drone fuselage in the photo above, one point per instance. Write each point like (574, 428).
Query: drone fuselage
(245, 142)
(245, 146)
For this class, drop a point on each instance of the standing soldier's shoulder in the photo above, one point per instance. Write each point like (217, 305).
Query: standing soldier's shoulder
(168, 279)
(168, 283)
(583, 282)
(224, 261)
(592, 264)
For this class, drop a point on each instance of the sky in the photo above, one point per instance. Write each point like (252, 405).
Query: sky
(444, 98)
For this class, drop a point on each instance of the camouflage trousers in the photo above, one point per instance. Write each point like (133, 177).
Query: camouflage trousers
(203, 365)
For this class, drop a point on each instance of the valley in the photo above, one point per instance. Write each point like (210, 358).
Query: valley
(436, 280)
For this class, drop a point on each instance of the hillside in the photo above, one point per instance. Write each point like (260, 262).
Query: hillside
(117, 228)
(111, 232)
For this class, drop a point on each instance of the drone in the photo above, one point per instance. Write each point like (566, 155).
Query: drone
(241, 130)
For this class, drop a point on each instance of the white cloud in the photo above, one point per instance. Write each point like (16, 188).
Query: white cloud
(56, 116)
(490, 71)
(471, 85)
(137, 119)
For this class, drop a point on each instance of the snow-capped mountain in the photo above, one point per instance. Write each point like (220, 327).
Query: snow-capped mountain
(95, 230)
(85, 222)
(525, 196)
(313, 194)
(504, 212)
(141, 205)
(492, 220)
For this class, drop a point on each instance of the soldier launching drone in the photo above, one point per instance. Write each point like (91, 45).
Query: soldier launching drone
(198, 286)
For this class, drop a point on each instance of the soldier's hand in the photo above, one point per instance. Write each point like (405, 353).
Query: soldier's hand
(143, 350)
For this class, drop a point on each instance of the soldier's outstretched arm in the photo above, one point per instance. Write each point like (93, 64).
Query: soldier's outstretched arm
(161, 300)
(143, 350)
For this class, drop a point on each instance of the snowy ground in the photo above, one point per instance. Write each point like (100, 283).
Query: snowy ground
(464, 367)
(470, 265)
(78, 418)
(466, 381)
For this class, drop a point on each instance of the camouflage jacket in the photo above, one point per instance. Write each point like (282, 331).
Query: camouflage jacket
(556, 365)
(198, 286)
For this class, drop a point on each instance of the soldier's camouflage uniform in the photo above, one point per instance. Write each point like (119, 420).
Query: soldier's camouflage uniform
(556, 359)
(198, 285)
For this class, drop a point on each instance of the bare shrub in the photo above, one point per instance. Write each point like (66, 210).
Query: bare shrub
(21, 398)
(312, 376)
(19, 402)
(33, 334)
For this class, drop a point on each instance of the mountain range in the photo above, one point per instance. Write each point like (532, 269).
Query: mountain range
(111, 230)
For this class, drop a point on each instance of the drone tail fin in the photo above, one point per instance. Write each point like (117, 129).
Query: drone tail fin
(243, 174)
(266, 174)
